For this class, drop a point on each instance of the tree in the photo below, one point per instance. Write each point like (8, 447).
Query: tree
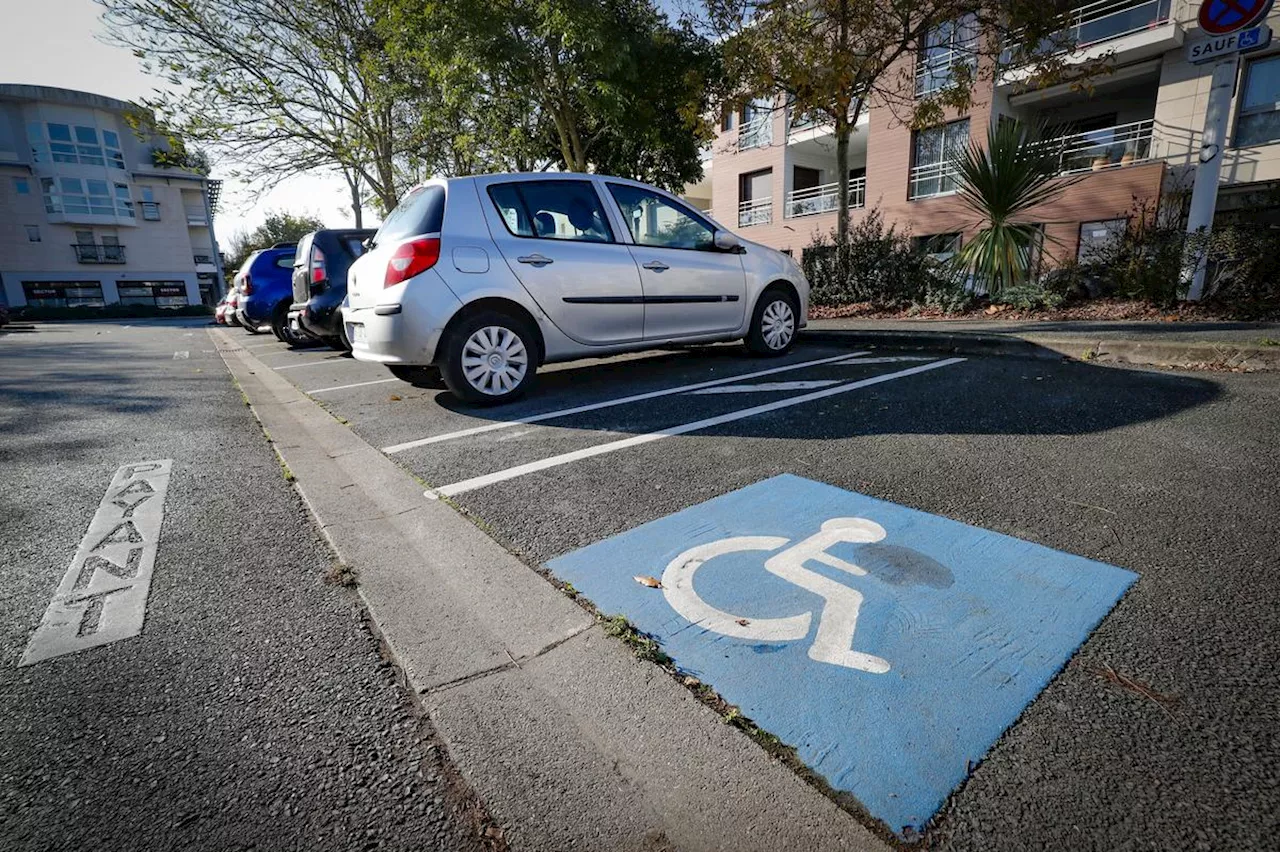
(1016, 170)
(279, 227)
(280, 87)
(604, 84)
(832, 59)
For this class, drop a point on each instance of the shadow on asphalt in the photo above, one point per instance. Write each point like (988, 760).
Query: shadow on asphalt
(983, 395)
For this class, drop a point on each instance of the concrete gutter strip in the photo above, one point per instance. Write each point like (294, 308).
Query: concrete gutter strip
(570, 741)
(1220, 354)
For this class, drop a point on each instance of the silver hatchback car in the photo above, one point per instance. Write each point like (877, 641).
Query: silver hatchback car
(478, 280)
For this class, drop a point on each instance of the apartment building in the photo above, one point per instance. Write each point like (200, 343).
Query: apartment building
(1134, 135)
(87, 215)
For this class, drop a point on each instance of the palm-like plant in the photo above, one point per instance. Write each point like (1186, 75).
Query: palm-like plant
(1016, 171)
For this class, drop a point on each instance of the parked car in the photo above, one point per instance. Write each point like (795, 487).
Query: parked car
(233, 303)
(484, 278)
(225, 303)
(265, 285)
(320, 283)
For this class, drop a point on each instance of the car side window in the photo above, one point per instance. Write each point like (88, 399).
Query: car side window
(552, 210)
(656, 221)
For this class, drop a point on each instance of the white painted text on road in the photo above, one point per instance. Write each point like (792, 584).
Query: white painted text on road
(103, 597)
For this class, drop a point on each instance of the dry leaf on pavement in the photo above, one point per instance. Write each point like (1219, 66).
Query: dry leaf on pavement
(651, 582)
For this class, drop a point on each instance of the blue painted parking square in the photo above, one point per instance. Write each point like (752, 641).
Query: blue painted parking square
(890, 647)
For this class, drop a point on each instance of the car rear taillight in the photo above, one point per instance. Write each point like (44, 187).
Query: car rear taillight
(248, 285)
(317, 265)
(411, 259)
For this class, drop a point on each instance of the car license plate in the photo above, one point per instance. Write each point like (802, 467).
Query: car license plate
(357, 334)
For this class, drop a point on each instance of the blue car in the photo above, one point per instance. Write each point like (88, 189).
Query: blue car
(265, 287)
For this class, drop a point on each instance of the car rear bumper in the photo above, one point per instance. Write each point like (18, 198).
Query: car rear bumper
(407, 332)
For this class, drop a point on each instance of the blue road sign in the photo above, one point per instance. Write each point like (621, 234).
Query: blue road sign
(890, 647)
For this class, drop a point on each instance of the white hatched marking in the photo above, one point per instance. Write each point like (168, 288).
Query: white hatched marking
(764, 387)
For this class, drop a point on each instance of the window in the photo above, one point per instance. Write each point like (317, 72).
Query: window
(931, 172)
(161, 294)
(420, 212)
(148, 193)
(21, 186)
(1259, 119)
(111, 144)
(124, 203)
(658, 221)
(33, 233)
(1095, 237)
(947, 47)
(87, 196)
(939, 247)
(552, 210)
(63, 294)
(755, 198)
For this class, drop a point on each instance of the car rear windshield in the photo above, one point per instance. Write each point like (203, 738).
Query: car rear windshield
(419, 212)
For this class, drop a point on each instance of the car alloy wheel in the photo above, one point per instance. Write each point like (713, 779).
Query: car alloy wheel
(778, 324)
(494, 360)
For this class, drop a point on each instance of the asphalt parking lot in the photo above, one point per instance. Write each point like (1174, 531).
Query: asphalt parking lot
(1160, 731)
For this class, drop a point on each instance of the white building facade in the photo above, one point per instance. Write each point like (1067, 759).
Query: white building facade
(88, 218)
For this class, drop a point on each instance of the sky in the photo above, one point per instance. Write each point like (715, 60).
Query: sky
(68, 54)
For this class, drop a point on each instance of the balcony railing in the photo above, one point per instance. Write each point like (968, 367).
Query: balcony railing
(94, 253)
(150, 210)
(823, 199)
(203, 258)
(936, 72)
(932, 180)
(757, 211)
(1093, 150)
(756, 133)
(1103, 20)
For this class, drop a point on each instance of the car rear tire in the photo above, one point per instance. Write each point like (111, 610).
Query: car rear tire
(280, 327)
(250, 327)
(419, 377)
(773, 323)
(341, 342)
(489, 358)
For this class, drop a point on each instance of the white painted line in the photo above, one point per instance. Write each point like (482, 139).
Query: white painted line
(595, 406)
(103, 597)
(307, 364)
(895, 359)
(356, 385)
(763, 387)
(600, 449)
(182, 355)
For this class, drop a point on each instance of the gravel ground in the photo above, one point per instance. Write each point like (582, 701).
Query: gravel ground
(255, 710)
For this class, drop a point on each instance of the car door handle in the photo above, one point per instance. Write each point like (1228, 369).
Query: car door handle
(656, 265)
(535, 260)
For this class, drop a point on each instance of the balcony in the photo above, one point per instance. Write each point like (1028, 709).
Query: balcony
(757, 211)
(756, 133)
(1094, 150)
(822, 199)
(197, 216)
(933, 180)
(1148, 24)
(935, 73)
(94, 253)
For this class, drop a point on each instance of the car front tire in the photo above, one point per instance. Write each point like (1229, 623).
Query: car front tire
(489, 358)
(774, 323)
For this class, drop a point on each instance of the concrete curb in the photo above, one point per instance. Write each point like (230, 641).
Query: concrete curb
(570, 741)
(1205, 355)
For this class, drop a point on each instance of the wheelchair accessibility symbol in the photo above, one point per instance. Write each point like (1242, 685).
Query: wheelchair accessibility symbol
(838, 618)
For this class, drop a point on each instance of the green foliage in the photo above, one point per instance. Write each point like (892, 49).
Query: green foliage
(1032, 297)
(278, 227)
(877, 265)
(1001, 182)
(1242, 261)
(610, 86)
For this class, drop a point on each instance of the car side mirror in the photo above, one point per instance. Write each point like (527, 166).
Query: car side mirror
(726, 241)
